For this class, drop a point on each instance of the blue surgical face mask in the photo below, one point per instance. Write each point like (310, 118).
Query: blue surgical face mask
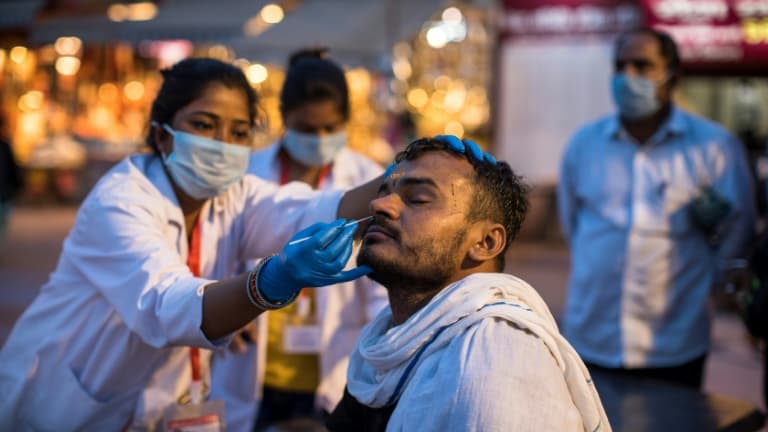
(202, 167)
(635, 96)
(314, 150)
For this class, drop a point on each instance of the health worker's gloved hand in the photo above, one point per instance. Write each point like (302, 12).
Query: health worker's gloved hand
(317, 261)
(468, 147)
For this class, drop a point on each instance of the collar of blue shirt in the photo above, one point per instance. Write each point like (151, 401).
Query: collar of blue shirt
(675, 125)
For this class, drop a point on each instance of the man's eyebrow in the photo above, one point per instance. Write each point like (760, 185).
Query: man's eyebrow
(417, 181)
(408, 181)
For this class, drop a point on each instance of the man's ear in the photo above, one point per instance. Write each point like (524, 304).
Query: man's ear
(490, 242)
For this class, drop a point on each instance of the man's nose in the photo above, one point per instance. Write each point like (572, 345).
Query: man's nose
(387, 205)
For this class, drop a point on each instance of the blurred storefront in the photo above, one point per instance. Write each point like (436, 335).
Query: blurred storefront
(78, 76)
(556, 60)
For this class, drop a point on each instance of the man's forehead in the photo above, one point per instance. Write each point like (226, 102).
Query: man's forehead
(639, 44)
(442, 168)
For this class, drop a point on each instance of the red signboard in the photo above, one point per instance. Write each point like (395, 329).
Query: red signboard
(569, 17)
(717, 36)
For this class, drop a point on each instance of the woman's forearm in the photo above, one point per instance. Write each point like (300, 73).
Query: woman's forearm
(226, 307)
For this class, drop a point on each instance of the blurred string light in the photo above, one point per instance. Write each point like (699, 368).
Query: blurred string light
(68, 45)
(133, 90)
(269, 15)
(108, 92)
(242, 63)
(272, 13)
(448, 99)
(401, 67)
(451, 28)
(47, 54)
(30, 101)
(2, 59)
(143, 11)
(167, 52)
(452, 15)
(67, 65)
(256, 73)
(417, 97)
(220, 52)
(18, 54)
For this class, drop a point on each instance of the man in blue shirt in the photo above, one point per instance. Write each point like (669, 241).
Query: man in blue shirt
(654, 201)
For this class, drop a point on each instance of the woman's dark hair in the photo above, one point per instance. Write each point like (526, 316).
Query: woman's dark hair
(186, 80)
(312, 77)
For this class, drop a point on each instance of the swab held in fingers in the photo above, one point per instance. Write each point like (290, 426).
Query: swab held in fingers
(293, 242)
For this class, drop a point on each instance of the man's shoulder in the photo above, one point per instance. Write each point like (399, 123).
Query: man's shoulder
(698, 125)
(594, 130)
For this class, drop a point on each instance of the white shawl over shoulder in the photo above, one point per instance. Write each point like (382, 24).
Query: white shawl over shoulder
(484, 354)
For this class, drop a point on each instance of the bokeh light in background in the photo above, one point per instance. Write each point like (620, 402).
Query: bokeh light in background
(104, 91)
(443, 75)
(67, 65)
(19, 54)
(256, 73)
(142, 11)
(269, 15)
(68, 46)
(31, 101)
(108, 93)
(272, 13)
(134, 90)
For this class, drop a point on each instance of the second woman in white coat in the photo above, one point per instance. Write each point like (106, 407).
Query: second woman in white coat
(288, 380)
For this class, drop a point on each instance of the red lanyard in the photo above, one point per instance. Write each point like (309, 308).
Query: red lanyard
(193, 262)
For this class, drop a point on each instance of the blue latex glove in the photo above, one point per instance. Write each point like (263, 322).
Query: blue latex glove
(460, 146)
(318, 261)
(466, 146)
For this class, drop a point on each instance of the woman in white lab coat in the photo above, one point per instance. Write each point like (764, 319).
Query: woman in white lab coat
(144, 272)
(273, 380)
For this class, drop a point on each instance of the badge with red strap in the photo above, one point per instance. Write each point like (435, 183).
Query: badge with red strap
(193, 413)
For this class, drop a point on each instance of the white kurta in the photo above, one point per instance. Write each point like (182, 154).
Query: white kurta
(343, 309)
(484, 354)
(121, 306)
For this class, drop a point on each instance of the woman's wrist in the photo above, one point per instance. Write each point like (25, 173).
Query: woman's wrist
(267, 289)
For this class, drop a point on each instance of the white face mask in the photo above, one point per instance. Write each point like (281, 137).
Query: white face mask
(635, 96)
(202, 167)
(314, 150)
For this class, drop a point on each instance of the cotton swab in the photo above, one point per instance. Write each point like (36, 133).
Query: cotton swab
(293, 242)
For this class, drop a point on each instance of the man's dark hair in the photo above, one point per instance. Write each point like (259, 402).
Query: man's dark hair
(186, 80)
(667, 46)
(313, 77)
(500, 196)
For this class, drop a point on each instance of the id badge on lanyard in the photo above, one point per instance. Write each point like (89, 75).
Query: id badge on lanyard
(303, 335)
(198, 415)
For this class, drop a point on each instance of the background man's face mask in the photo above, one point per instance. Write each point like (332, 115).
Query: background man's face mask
(314, 150)
(203, 167)
(635, 96)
